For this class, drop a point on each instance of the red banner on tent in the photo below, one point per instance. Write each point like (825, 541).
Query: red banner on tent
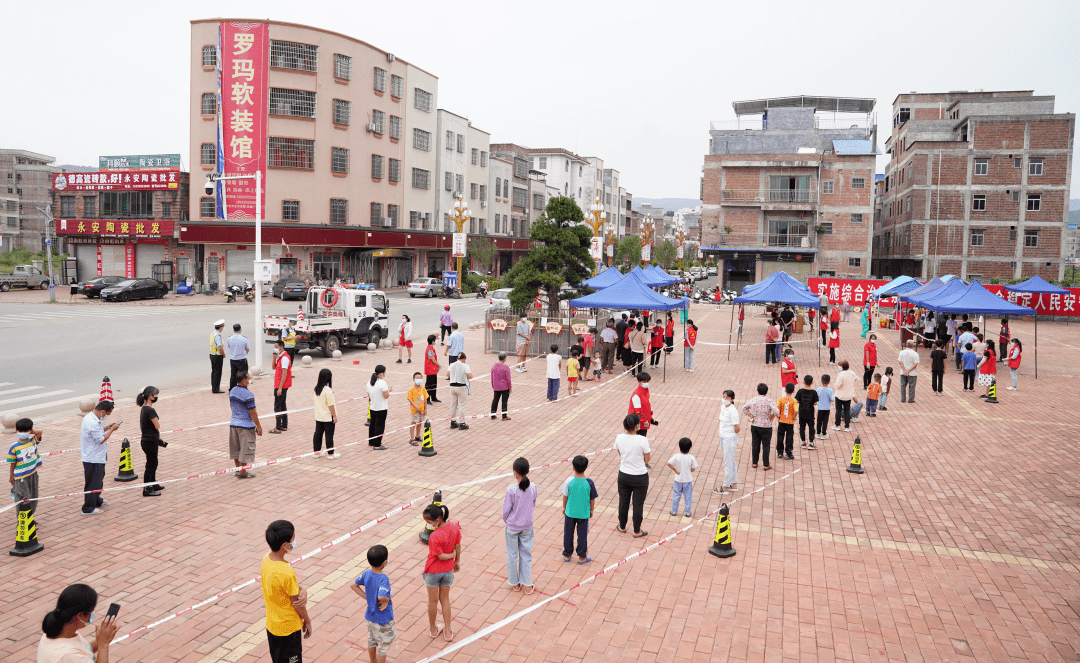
(847, 291)
(1043, 304)
(855, 292)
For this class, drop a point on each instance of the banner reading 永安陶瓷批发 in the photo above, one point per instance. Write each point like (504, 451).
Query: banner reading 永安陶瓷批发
(243, 96)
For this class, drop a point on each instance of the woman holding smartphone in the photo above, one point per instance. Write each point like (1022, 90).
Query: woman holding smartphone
(61, 642)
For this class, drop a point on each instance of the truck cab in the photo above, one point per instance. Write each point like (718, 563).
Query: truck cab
(336, 317)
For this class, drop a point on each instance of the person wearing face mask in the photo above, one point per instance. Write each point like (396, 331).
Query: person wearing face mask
(286, 601)
(640, 405)
(150, 440)
(869, 360)
(61, 641)
(788, 374)
(729, 442)
(405, 338)
(92, 439)
(24, 460)
(417, 397)
(282, 384)
(378, 392)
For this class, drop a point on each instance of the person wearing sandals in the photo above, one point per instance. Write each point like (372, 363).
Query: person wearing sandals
(282, 382)
(443, 559)
(578, 501)
(244, 425)
(517, 513)
(325, 415)
(405, 337)
(729, 442)
(417, 398)
(634, 452)
(378, 392)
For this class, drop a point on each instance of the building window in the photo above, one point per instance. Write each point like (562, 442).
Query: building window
(414, 220)
(376, 214)
(1018, 162)
(521, 168)
(907, 205)
(449, 140)
(856, 218)
(608, 198)
(826, 186)
(292, 103)
(89, 204)
(209, 56)
(498, 187)
(448, 181)
(513, 227)
(854, 262)
(459, 181)
(209, 103)
(422, 99)
(376, 166)
(1031, 239)
(67, 206)
(474, 190)
(977, 237)
(395, 127)
(982, 166)
(421, 139)
(206, 208)
(397, 86)
(827, 225)
(538, 201)
(421, 179)
(461, 143)
(520, 196)
(475, 157)
(483, 159)
(1016, 196)
(978, 204)
(290, 210)
(379, 120)
(506, 188)
(907, 236)
(566, 166)
(543, 163)
(339, 160)
(483, 192)
(342, 67)
(395, 170)
(292, 153)
(339, 210)
(496, 224)
(1035, 166)
(472, 225)
(342, 111)
(858, 182)
(1012, 235)
(392, 213)
(291, 55)
(208, 154)
(1034, 202)
(166, 209)
(380, 82)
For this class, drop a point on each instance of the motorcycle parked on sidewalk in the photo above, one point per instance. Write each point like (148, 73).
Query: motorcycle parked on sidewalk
(247, 291)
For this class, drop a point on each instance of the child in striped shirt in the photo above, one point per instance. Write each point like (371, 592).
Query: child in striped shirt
(24, 461)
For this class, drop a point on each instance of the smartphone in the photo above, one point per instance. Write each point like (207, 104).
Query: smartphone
(114, 610)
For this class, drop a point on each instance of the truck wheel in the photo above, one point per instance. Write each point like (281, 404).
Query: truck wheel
(333, 342)
(44, 285)
(4, 287)
(375, 336)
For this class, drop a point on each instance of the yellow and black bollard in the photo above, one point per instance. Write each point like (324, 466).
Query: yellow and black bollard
(427, 448)
(425, 533)
(991, 393)
(26, 542)
(721, 546)
(856, 457)
(127, 468)
(367, 422)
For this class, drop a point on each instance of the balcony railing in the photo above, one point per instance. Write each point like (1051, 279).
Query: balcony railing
(793, 241)
(782, 196)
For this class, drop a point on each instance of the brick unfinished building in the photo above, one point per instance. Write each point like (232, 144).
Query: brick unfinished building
(790, 188)
(977, 185)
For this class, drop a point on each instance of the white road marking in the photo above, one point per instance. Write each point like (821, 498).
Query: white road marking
(65, 401)
(30, 398)
(6, 384)
(20, 389)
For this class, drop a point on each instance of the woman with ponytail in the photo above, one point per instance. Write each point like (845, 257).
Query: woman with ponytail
(517, 513)
(378, 392)
(151, 440)
(325, 415)
(444, 557)
(61, 642)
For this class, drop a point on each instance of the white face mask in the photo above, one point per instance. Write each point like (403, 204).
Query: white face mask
(873, 342)
(727, 403)
(419, 383)
(24, 436)
(644, 385)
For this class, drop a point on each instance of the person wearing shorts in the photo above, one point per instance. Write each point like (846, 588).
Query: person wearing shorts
(243, 425)
(444, 557)
(373, 586)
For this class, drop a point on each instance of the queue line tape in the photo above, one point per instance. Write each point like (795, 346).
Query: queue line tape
(286, 459)
(808, 340)
(361, 530)
(487, 630)
(226, 423)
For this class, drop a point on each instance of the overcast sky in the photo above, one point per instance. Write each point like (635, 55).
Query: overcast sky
(633, 82)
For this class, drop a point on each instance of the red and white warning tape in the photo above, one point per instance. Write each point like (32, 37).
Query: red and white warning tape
(487, 630)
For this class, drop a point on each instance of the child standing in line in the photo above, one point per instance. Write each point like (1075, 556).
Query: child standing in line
(937, 367)
(417, 398)
(807, 397)
(886, 384)
(554, 372)
(834, 343)
(785, 427)
(518, 506)
(873, 393)
(824, 407)
(1003, 338)
(598, 369)
(24, 460)
(373, 585)
(572, 372)
(971, 362)
(579, 498)
(683, 465)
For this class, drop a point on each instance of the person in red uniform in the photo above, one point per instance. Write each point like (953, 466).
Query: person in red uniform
(824, 332)
(1003, 338)
(669, 334)
(834, 318)
(640, 405)
(431, 369)
(787, 370)
(282, 382)
(656, 342)
(834, 343)
(869, 360)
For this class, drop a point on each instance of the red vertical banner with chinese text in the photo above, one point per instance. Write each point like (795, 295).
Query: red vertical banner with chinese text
(129, 260)
(99, 259)
(243, 96)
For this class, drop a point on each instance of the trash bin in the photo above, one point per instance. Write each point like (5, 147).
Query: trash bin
(684, 315)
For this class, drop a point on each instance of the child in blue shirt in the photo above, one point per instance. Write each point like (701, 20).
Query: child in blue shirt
(824, 407)
(971, 362)
(374, 585)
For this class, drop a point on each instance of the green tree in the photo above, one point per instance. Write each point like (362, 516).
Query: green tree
(664, 253)
(628, 250)
(690, 250)
(560, 254)
(482, 251)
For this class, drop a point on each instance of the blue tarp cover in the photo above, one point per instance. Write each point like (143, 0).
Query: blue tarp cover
(660, 275)
(922, 291)
(980, 301)
(943, 294)
(609, 276)
(778, 287)
(897, 286)
(1036, 284)
(630, 292)
(775, 276)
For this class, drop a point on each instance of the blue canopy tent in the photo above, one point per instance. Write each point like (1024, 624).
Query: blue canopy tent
(659, 275)
(648, 278)
(922, 291)
(944, 293)
(608, 277)
(897, 286)
(778, 287)
(772, 278)
(1037, 285)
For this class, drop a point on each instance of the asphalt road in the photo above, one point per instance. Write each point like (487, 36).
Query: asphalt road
(58, 353)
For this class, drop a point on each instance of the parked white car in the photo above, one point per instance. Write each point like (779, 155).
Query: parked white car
(425, 287)
(500, 299)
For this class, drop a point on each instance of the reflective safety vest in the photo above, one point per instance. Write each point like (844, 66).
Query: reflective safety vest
(288, 337)
(215, 344)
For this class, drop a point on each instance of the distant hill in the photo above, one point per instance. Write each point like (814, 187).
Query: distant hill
(668, 204)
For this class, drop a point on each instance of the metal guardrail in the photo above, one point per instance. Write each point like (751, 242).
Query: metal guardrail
(794, 240)
(539, 339)
(792, 196)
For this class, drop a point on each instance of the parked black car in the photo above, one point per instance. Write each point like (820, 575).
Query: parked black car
(93, 287)
(290, 288)
(135, 289)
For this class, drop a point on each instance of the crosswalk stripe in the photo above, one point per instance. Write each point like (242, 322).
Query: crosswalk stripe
(19, 390)
(35, 396)
(6, 384)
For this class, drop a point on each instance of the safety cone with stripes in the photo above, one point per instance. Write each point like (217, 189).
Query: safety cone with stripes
(106, 390)
(127, 467)
(856, 457)
(721, 546)
(26, 542)
(300, 314)
(427, 447)
(991, 394)
(425, 533)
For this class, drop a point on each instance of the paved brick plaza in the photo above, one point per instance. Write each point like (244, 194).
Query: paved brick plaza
(958, 543)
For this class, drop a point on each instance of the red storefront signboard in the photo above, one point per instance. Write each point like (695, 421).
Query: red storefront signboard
(115, 228)
(128, 180)
(243, 98)
(855, 291)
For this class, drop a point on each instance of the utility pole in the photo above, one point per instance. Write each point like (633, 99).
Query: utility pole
(48, 250)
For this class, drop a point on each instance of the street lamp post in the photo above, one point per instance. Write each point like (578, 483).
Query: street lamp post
(680, 241)
(599, 218)
(609, 240)
(48, 250)
(647, 228)
(460, 214)
(257, 176)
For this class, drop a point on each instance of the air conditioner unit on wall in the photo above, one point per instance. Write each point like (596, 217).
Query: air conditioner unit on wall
(387, 222)
(483, 203)
(371, 127)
